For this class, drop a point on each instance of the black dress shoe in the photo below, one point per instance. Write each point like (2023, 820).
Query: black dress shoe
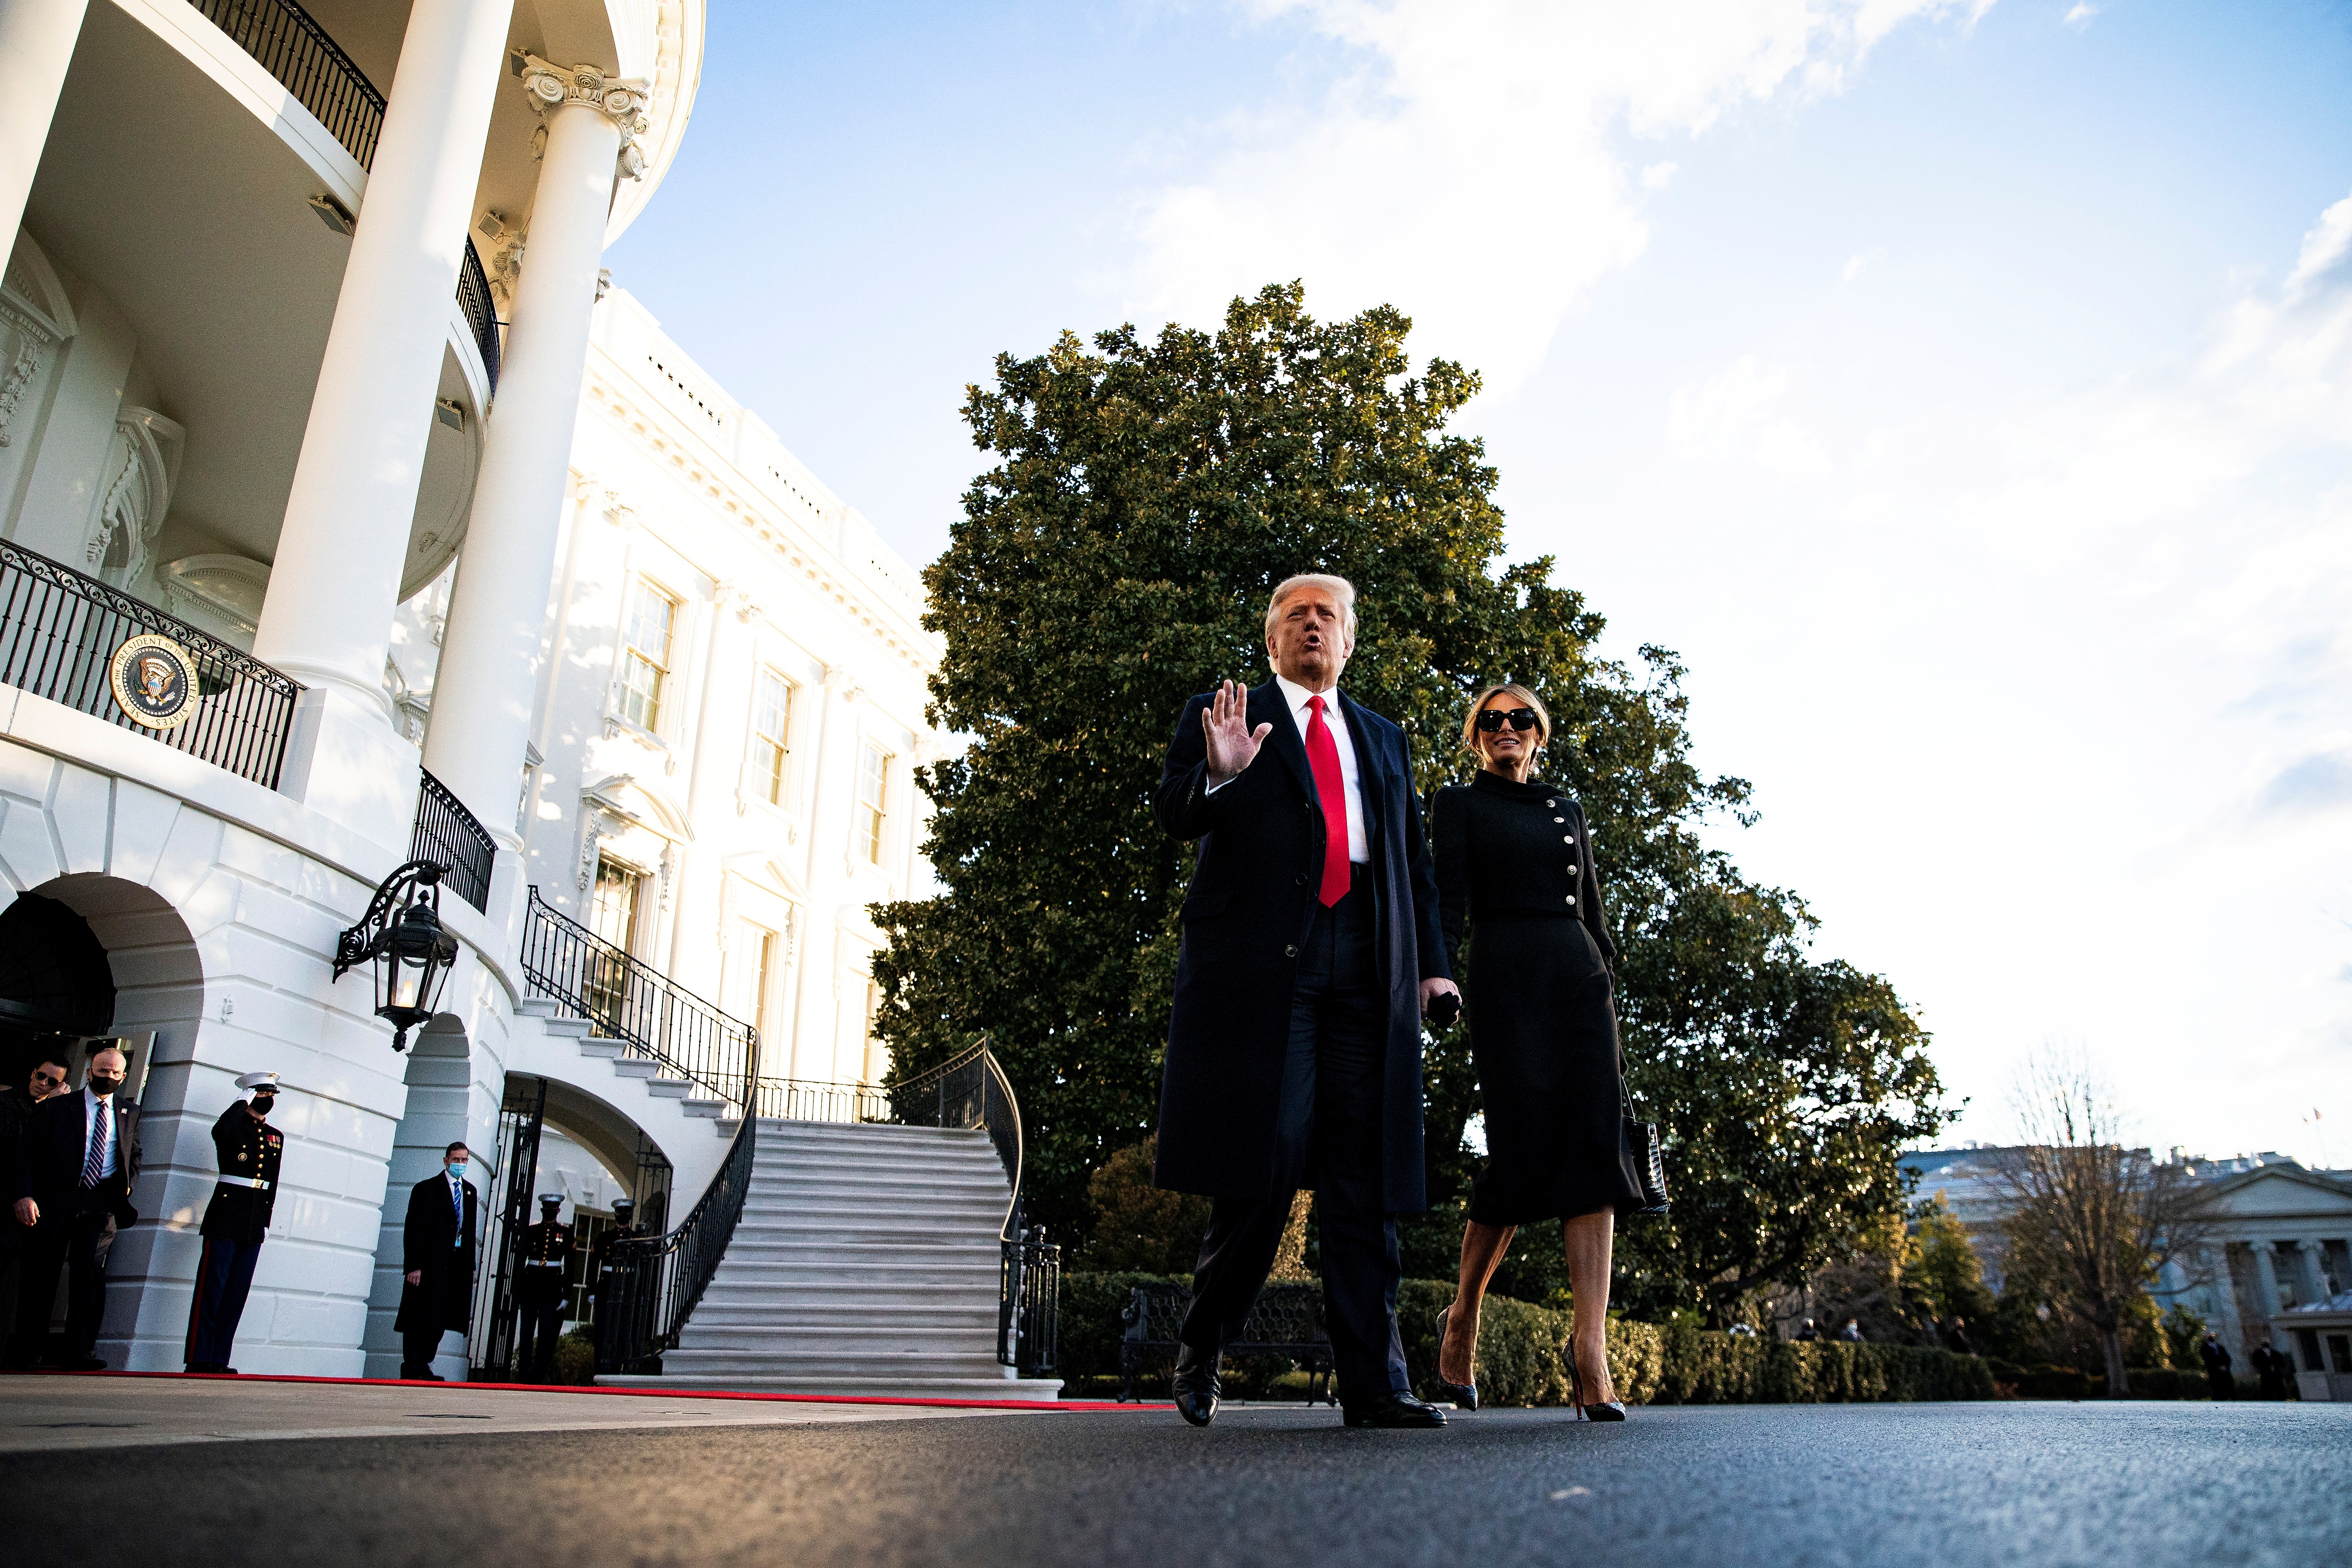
(1393, 1409)
(1196, 1385)
(81, 1363)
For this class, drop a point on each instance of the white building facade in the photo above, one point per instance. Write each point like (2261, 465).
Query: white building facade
(307, 367)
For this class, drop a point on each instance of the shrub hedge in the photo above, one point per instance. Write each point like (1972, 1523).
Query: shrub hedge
(1520, 1360)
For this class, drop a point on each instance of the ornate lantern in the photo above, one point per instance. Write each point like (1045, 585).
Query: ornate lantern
(401, 938)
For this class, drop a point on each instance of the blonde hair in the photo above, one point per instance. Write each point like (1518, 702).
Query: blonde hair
(1341, 590)
(1512, 689)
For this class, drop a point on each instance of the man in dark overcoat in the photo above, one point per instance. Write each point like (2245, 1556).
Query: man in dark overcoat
(1311, 948)
(77, 1164)
(437, 1248)
(47, 1077)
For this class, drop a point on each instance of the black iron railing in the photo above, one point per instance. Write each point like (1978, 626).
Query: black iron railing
(474, 297)
(971, 1090)
(654, 1018)
(811, 1099)
(58, 632)
(449, 832)
(647, 1285)
(295, 50)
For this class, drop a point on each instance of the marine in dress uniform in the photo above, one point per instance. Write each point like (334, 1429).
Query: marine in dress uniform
(542, 1280)
(237, 1221)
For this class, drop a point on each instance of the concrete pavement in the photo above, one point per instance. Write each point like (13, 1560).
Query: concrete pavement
(1950, 1486)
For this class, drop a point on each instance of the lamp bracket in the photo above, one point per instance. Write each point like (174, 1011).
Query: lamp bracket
(357, 945)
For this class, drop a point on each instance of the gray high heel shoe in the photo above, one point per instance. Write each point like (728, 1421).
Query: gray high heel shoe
(1464, 1395)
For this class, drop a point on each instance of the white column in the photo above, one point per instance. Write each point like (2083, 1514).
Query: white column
(335, 582)
(2266, 1279)
(491, 643)
(2314, 1275)
(37, 44)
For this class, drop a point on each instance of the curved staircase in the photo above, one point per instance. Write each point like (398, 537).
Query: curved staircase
(867, 1262)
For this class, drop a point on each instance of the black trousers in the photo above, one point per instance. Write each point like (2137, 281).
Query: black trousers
(539, 1324)
(1328, 1122)
(224, 1279)
(78, 1243)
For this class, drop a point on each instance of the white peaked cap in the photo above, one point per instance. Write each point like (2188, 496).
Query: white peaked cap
(268, 1080)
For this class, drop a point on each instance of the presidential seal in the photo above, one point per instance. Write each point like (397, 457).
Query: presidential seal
(155, 681)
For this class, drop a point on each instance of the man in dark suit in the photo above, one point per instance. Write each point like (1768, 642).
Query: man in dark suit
(1311, 949)
(46, 1078)
(76, 1165)
(437, 1246)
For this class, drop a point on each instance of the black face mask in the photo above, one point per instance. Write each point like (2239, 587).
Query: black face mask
(102, 1086)
(261, 1104)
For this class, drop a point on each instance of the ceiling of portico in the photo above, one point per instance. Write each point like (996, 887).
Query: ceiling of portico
(659, 41)
(191, 218)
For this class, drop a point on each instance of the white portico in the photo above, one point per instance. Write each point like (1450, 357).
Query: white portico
(255, 389)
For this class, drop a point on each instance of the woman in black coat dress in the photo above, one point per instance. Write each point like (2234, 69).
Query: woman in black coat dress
(1515, 871)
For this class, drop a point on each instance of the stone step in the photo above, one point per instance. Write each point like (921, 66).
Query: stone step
(1025, 1390)
(817, 1266)
(848, 1315)
(790, 1292)
(605, 1048)
(970, 1355)
(636, 1066)
(694, 1106)
(884, 1209)
(792, 1181)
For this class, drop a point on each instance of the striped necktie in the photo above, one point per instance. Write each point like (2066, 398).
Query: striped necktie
(94, 1166)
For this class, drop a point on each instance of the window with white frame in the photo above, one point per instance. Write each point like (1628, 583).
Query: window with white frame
(645, 655)
(771, 717)
(872, 801)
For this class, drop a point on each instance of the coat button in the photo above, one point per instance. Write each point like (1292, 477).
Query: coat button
(1571, 869)
(1553, 803)
(1291, 952)
(1300, 879)
(1567, 839)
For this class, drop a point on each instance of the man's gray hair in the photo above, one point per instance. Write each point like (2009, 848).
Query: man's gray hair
(1341, 589)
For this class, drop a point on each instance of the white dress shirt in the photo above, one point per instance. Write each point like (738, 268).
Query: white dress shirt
(1351, 778)
(92, 1109)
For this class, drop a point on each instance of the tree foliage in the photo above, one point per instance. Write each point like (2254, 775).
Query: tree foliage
(1144, 497)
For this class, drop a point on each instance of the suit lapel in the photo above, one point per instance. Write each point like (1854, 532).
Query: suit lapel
(1372, 768)
(1268, 706)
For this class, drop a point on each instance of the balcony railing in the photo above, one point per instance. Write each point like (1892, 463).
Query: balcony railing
(58, 633)
(295, 50)
(474, 297)
(449, 832)
(288, 43)
(654, 1018)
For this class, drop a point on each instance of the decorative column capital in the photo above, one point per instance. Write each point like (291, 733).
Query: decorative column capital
(619, 99)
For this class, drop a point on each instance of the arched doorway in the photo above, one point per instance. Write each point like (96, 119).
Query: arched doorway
(149, 1003)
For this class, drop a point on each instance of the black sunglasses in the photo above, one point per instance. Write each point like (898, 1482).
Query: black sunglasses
(1491, 719)
(49, 1078)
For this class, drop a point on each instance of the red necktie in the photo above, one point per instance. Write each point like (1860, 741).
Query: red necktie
(1323, 758)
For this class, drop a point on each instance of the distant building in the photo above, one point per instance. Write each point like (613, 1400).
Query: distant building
(2283, 1233)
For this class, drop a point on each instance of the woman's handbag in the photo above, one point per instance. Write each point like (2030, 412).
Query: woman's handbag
(1649, 1160)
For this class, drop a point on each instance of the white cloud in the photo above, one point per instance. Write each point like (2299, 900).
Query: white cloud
(1860, 263)
(1731, 418)
(1470, 169)
(2080, 16)
(1658, 176)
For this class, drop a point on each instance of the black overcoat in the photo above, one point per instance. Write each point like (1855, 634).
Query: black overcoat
(252, 1149)
(1247, 909)
(429, 1245)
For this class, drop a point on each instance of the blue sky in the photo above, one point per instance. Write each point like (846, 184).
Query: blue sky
(1964, 390)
